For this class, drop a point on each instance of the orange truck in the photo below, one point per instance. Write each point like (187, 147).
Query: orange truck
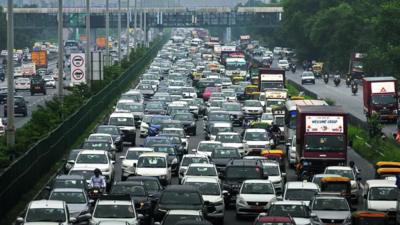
(39, 58)
(82, 37)
(101, 42)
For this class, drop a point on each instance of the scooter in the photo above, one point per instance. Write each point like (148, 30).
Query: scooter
(348, 81)
(304, 66)
(336, 81)
(326, 78)
(294, 68)
(354, 88)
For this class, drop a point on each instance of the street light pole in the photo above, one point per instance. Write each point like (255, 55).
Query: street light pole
(10, 74)
(119, 32)
(127, 32)
(141, 21)
(87, 40)
(107, 32)
(134, 27)
(145, 30)
(60, 52)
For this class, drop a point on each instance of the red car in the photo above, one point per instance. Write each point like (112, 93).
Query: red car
(208, 91)
(272, 220)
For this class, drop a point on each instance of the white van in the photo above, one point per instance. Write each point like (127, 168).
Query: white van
(154, 165)
(380, 195)
(126, 123)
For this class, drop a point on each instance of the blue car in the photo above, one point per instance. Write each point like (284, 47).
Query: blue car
(151, 141)
(155, 125)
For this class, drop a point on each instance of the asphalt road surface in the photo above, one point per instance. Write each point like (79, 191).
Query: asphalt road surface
(341, 94)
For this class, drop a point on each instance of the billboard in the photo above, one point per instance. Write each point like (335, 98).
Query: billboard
(324, 124)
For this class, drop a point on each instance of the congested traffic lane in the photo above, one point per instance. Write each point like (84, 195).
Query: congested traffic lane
(367, 170)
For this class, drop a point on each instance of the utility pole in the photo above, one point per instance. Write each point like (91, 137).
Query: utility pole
(88, 40)
(140, 24)
(127, 32)
(60, 52)
(119, 32)
(107, 32)
(145, 30)
(10, 74)
(134, 29)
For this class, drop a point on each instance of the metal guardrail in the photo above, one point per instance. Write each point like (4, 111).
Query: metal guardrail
(23, 174)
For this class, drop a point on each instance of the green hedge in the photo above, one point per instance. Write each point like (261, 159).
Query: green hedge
(51, 114)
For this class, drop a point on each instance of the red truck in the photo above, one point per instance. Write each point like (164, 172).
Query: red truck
(271, 78)
(380, 96)
(225, 52)
(321, 136)
(355, 66)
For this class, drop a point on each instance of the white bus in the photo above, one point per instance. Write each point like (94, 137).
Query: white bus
(236, 64)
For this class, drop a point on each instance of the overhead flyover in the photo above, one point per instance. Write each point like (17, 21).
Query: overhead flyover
(256, 17)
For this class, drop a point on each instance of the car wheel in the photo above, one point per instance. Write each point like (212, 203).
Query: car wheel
(25, 113)
(32, 93)
(302, 83)
(314, 82)
(44, 93)
(238, 217)
(5, 114)
(54, 87)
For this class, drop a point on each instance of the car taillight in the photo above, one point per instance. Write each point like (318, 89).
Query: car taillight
(16, 83)
(1, 128)
(29, 83)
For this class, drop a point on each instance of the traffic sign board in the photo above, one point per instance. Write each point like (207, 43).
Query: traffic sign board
(77, 75)
(78, 68)
(78, 61)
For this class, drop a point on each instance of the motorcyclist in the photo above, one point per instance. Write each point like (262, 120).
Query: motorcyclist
(299, 167)
(274, 128)
(246, 123)
(337, 75)
(304, 170)
(354, 168)
(97, 181)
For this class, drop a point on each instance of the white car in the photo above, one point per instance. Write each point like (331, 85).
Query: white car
(277, 178)
(262, 99)
(253, 197)
(346, 171)
(22, 84)
(300, 191)
(283, 64)
(288, 50)
(230, 95)
(55, 74)
(154, 164)
(206, 147)
(179, 131)
(226, 82)
(210, 189)
(257, 140)
(299, 210)
(200, 170)
(106, 137)
(291, 152)
(277, 50)
(189, 159)
(97, 159)
(267, 118)
(18, 72)
(307, 77)
(50, 81)
(267, 55)
(132, 155)
(189, 92)
(232, 139)
(144, 126)
(252, 108)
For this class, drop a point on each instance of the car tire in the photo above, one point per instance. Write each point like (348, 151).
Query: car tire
(194, 133)
(314, 82)
(32, 93)
(5, 114)
(25, 114)
(302, 83)
(238, 217)
(54, 87)
(44, 93)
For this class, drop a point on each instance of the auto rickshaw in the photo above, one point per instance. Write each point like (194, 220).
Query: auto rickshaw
(215, 70)
(317, 70)
(296, 98)
(340, 185)
(383, 173)
(248, 90)
(254, 80)
(275, 155)
(196, 78)
(385, 164)
(237, 79)
(261, 125)
(254, 71)
(369, 217)
(255, 95)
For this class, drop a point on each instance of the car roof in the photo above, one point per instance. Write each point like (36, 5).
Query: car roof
(160, 116)
(180, 129)
(96, 141)
(128, 183)
(338, 168)
(222, 125)
(202, 179)
(121, 114)
(142, 178)
(68, 190)
(157, 137)
(49, 204)
(201, 165)
(258, 181)
(301, 185)
(276, 219)
(255, 130)
(228, 133)
(108, 126)
(99, 134)
(152, 154)
(326, 175)
(289, 203)
(140, 149)
(183, 212)
(173, 188)
(381, 183)
(210, 142)
(195, 156)
(89, 152)
(69, 177)
(171, 121)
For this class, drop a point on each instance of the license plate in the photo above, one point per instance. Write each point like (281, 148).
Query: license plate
(332, 224)
(257, 207)
(37, 87)
(22, 84)
(256, 150)
(15, 106)
(391, 116)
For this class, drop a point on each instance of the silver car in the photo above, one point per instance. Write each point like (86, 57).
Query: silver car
(330, 208)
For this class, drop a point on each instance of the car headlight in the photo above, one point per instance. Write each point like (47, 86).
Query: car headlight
(162, 177)
(218, 203)
(162, 210)
(162, 113)
(315, 219)
(241, 201)
(174, 161)
(105, 170)
(193, 124)
(117, 139)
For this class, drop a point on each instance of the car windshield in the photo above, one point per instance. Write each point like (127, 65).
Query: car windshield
(158, 141)
(147, 118)
(47, 78)
(211, 90)
(267, 116)
(383, 194)
(126, 189)
(217, 104)
(208, 147)
(176, 83)
(92, 159)
(188, 89)
(230, 94)
(275, 103)
(219, 117)
(134, 155)
(228, 153)
(150, 77)
(324, 143)
(383, 99)
(252, 104)
(22, 80)
(228, 138)
(309, 74)
(133, 108)
(189, 160)
(271, 170)
(101, 137)
(371, 220)
(114, 211)
(46, 215)
(201, 171)
(159, 120)
(299, 211)
(183, 117)
(331, 204)
(343, 173)
(175, 91)
(243, 172)
(283, 62)
(176, 111)
(206, 188)
(232, 107)
(130, 97)
(257, 188)
(256, 136)
(300, 194)
(169, 150)
(69, 197)
(78, 184)
(153, 105)
(121, 121)
(216, 130)
(181, 133)
(152, 162)
(181, 198)
(86, 174)
(97, 146)
(145, 87)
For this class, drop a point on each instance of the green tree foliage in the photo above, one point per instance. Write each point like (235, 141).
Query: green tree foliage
(375, 126)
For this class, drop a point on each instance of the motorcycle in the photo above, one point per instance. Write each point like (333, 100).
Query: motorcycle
(294, 68)
(304, 66)
(95, 193)
(305, 176)
(326, 78)
(354, 89)
(348, 81)
(336, 81)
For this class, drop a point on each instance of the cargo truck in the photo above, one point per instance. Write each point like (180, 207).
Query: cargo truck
(244, 41)
(271, 78)
(28, 69)
(39, 58)
(381, 96)
(274, 97)
(355, 66)
(321, 136)
(101, 42)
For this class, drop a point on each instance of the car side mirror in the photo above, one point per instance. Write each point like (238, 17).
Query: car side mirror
(359, 178)
(112, 162)
(283, 174)
(221, 176)
(141, 145)
(187, 136)
(122, 157)
(313, 215)
(225, 192)
(279, 198)
(20, 220)
(205, 118)
(72, 220)
(91, 201)
(71, 161)
(157, 223)
(140, 216)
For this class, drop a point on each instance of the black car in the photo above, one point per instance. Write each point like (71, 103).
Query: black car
(20, 106)
(67, 181)
(220, 156)
(114, 131)
(138, 192)
(174, 157)
(176, 141)
(188, 121)
(38, 85)
(70, 160)
(237, 171)
(217, 117)
(153, 186)
(154, 108)
(185, 197)
(174, 218)
(3, 95)
(99, 145)
(175, 110)
(171, 124)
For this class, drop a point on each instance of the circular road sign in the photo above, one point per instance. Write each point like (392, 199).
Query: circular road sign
(77, 74)
(77, 61)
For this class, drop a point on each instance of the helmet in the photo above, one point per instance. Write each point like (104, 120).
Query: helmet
(272, 123)
(305, 164)
(97, 171)
(351, 163)
(337, 71)
(302, 159)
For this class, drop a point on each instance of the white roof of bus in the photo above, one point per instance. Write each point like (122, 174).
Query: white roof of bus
(235, 60)
(291, 105)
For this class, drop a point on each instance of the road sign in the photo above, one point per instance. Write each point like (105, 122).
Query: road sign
(97, 66)
(78, 68)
